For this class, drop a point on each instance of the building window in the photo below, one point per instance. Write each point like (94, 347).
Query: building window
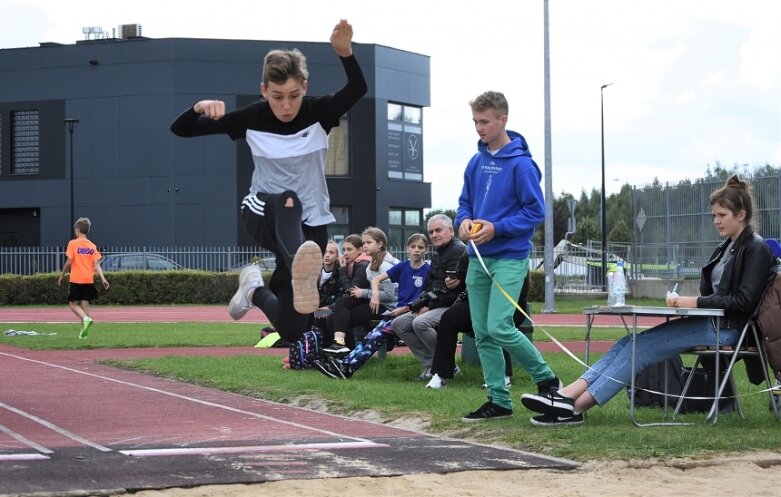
(24, 142)
(404, 158)
(341, 227)
(338, 159)
(401, 224)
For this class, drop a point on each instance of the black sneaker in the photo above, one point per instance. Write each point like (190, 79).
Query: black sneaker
(548, 420)
(336, 349)
(550, 402)
(333, 369)
(487, 411)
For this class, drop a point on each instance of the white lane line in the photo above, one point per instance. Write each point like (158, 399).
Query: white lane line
(55, 428)
(23, 457)
(179, 451)
(24, 440)
(192, 399)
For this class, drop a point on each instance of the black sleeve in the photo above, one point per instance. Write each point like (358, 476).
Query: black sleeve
(190, 123)
(332, 108)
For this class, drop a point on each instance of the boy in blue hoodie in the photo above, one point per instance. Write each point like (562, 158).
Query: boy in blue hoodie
(500, 206)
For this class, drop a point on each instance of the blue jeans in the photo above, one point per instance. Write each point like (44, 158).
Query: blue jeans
(612, 373)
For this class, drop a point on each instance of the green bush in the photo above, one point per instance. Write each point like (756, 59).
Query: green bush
(127, 288)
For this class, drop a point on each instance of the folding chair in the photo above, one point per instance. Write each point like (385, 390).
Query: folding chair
(743, 349)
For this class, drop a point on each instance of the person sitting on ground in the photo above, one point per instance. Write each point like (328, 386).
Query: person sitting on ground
(329, 284)
(409, 275)
(353, 309)
(734, 279)
(418, 327)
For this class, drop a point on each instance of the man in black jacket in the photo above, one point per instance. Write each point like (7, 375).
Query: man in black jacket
(441, 288)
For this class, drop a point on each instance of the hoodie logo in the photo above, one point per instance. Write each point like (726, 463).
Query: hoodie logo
(491, 168)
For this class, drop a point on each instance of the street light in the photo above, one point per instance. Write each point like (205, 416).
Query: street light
(70, 125)
(604, 207)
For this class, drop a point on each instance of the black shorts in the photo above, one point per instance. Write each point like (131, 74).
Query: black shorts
(82, 291)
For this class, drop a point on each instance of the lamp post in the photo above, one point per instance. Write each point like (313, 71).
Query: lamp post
(603, 210)
(70, 125)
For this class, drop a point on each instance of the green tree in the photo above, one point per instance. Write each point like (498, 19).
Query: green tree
(587, 229)
(620, 232)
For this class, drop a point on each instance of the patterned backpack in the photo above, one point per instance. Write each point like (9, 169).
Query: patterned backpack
(306, 350)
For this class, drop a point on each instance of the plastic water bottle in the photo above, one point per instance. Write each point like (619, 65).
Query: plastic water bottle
(611, 293)
(619, 285)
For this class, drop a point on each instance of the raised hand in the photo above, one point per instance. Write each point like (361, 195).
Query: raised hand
(341, 38)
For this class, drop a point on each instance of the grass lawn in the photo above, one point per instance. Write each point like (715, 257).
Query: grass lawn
(388, 390)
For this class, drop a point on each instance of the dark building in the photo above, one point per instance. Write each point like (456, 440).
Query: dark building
(141, 185)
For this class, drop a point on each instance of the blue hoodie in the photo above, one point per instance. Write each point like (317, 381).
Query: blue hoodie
(504, 188)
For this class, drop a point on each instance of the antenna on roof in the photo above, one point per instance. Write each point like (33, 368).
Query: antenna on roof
(92, 32)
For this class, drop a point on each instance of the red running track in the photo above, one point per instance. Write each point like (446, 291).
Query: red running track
(214, 313)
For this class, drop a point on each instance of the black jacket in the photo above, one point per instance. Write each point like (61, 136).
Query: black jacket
(446, 259)
(745, 278)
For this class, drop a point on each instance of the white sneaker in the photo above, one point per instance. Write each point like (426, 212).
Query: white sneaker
(304, 270)
(249, 279)
(437, 382)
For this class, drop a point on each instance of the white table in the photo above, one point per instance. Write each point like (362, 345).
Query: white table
(634, 311)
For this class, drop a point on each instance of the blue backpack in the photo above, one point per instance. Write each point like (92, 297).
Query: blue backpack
(306, 350)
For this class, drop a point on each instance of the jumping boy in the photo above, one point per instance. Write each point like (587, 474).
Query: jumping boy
(287, 209)
(83, 261)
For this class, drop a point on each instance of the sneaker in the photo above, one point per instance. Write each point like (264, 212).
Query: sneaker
(488, 411)
(332, 369)
(456, 371)
(549, 420)
(549, 400)
(249, 279)
(507, 382)
(85, 328)
(304, 270)
(424, 375)
(338, 348)
(437, 382)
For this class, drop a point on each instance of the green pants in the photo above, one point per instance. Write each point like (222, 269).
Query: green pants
(492, 320)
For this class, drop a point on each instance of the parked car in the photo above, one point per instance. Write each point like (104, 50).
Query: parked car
(137, 261)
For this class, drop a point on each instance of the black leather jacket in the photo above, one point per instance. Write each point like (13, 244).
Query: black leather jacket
(445, 259)
(744, 281)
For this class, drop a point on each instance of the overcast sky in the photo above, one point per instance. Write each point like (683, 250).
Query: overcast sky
(694, 82)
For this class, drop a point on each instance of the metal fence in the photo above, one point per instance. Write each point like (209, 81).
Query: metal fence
(31, 260)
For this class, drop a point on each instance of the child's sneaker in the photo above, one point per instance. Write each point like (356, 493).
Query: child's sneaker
(486, 412)
(304, 270)
(87, 323)
(249, 279)
(338, 348)
(333, 369)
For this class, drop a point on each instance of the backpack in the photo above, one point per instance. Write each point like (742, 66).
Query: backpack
(306, 350)
(769, 321)
(652, 378)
